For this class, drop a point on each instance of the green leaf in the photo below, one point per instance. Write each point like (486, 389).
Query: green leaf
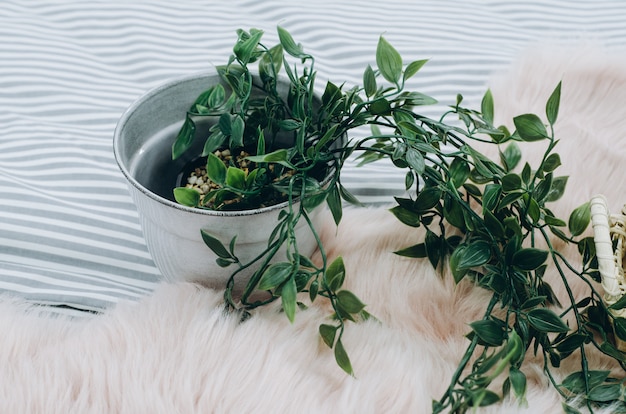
(552, 106)
(202, 110)
(409, 180)
(518, 382)
(486, 106)
(543, 188)
(313, 198)
(341, 356)
(575, 382)
(493, 224)
(459, 171)
(335, 274)
(328, 332)
(328, 137)
(288, 298)
(415, 159)
(187, 196)
(290, 124)
(512, 227)
(408, 217)
(184, 138)
(332, 94)
(251, 177)
(533, 301)
(388, 60)
(221, 262)
(369, 81)
(484, 398)
(427, 198)
(579, 219)
(290, 46)
(568, 409)
(475, 254)
(619, 325)
(620, 304)
(511, 182)
(214, 142)
(526, 173)
(457, 272)
(334, 204)
(491, 196)
(216, 96)
(236, 178)
(277, 156)
(529, 258)
(511, 156)
(313, 290)
(530, 128)
(271, 62)
(472, 189)
(225, 124)
(236, 132)
(417, 98)
(347, 196)
(215, 169)
(349, 301)
(545, 320)
(553, 221)
(610, 350)
(557, 189)
(305, 261)
(275, 275)
(533, 210)
(380, 106)
(415, 251)
(571, 343)
(413, 67)
(215, 245)
(433, 248)
(245, 48)
(551, 163)
(489, 331)
(453, 213)
(605, 393)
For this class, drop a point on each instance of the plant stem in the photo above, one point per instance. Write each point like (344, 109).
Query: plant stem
(448, 395)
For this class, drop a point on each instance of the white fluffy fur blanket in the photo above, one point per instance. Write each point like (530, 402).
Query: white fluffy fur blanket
(176, 352)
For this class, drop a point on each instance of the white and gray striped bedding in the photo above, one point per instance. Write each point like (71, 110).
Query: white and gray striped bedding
(69, 234)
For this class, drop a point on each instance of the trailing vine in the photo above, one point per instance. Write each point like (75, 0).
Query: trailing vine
(489, 221)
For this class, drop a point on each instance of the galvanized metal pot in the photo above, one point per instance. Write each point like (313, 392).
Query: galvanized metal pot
(142, 147)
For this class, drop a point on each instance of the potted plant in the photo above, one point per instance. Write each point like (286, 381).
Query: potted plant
(268, 124)
(274, 146)
(268, 150)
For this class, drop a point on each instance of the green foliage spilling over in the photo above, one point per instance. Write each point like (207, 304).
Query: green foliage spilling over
(491, 223)
(298, 144)
(488, 220)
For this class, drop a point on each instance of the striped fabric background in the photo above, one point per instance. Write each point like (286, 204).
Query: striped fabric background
(69, 234)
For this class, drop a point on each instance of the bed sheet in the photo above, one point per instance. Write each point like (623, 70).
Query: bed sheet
(69, 233)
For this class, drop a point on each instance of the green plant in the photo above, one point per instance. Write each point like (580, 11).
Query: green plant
(305, 172)
(488, 221)
(493, 225)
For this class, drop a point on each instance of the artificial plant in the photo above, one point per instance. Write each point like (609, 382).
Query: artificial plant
(252, 114)
(487, 220)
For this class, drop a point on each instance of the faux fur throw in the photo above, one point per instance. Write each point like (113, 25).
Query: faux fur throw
(177, 352)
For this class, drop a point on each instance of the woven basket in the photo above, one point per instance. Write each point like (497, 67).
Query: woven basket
(610, 240)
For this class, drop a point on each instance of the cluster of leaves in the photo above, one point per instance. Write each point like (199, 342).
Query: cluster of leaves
(285, 132)
(492, 224)
(257, 120)
(489, 221)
